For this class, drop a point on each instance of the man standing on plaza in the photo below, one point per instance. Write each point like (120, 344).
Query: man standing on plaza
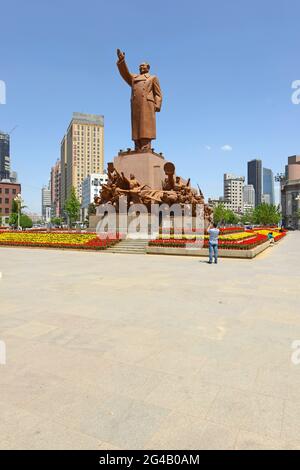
(213, 242)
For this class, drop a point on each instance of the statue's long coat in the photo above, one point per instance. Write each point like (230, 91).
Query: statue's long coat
(146, 99)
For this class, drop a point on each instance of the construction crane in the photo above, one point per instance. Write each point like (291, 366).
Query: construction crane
(10, 132)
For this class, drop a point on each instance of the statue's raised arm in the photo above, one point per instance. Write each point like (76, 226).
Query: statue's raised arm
(123, 69)
(120, 54)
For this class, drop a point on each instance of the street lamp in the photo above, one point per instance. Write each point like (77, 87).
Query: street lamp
(279, 177)
(18, 200)
(297, 198)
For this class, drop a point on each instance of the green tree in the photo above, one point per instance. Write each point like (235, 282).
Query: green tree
(91, 209)
(14, 207)
(219, 213)
(13, 220)
(72, 207)
(266, 214)
(56, 221)
(247, 217)
(230, 217)
(224, 216)
(25, 221)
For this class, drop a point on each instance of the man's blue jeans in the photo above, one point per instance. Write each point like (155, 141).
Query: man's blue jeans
(213, 251)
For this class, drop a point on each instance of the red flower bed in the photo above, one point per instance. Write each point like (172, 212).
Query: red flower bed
(279, 236)
(82, 241)
(223, 230)
(243, 244)
(228, 230)
(92, 245)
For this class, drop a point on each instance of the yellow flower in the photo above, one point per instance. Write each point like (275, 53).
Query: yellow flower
(46, 238)
(265, 232)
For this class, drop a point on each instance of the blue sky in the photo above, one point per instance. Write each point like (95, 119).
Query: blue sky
(225, 68)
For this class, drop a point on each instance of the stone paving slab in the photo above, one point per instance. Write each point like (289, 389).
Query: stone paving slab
(108, 351)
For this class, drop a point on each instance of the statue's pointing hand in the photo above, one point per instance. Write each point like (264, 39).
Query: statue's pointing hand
(121, 55)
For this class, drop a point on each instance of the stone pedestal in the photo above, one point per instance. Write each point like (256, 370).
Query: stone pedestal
(148, 167)
(132, 226)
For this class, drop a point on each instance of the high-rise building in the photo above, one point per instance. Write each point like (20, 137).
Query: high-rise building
(249, 197)
(63, 174)
(292, 169)
(290, 193)
(4, 156)
(266, 199)
(255, 178)
(55, 187)
(82, 152)
(46, 203)
(233, 192)
(13, 177)
(268, 186)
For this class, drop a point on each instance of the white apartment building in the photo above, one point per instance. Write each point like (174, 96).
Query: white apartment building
(91, 187)
(233, 192)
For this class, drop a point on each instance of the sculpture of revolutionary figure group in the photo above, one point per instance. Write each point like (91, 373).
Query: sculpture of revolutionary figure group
(173, 191)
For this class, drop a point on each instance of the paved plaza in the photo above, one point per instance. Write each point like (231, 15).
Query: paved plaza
(112, 351)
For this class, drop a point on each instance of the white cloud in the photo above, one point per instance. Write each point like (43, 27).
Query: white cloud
(226, 148)
(208, 147)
